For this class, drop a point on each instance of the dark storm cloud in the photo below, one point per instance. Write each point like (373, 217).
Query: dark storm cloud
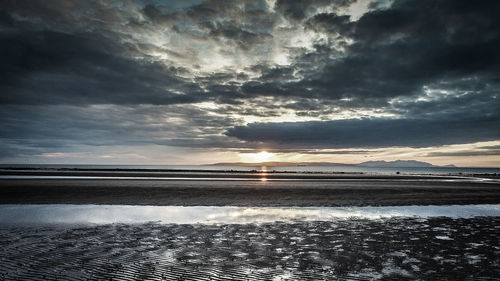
(47, 67)
(465, 153)
(302, 151)
(432, 64)
(486, 150)
(445, 45)
(244, 38)
(57, 54)
(323, 152)
(370, 132)
(331, 23)
(492, 147)
(391, 55)
(55, 127)
(300, 9)
(413, 43)
(6, 19)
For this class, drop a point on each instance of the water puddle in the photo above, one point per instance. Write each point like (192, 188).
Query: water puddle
(105, 214)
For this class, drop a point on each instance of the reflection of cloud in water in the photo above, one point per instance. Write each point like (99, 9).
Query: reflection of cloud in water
(103, 214)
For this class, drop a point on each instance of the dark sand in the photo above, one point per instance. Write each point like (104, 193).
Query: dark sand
(391, 249)
(360, 191)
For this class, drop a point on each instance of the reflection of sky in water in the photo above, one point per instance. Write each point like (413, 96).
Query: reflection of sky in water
(102, 214)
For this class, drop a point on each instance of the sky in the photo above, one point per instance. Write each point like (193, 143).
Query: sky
(197, 82)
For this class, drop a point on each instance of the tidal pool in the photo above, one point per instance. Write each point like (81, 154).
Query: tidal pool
(105, 214)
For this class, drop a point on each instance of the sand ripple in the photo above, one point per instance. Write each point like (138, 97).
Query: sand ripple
(390, 249)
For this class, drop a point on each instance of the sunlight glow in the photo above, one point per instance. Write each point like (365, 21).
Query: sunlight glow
(281, 59)
(262, 156)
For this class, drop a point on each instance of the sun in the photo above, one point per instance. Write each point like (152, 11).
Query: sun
(262, 156)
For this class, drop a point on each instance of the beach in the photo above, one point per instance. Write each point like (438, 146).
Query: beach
(354, 249)
(268, 226)
(235, 190)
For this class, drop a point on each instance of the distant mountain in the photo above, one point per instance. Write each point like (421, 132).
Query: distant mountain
(379, 164)
(396, 164)
(275, 164)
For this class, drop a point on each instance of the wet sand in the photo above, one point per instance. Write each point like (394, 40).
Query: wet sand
(398, 248)
(387, 191)
(354, 249)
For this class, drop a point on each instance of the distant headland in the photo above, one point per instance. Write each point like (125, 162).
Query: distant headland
(380, 164)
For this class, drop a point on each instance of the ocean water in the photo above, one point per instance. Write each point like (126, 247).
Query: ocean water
(298, 169)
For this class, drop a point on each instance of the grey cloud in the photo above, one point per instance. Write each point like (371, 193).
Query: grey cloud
(6, 19)
(49, 67)
(370, 132)
(397, 51)
(465, 153)
(493, 147)
(245, 38)
(214, 142)
(337, 152)
(390, 56)
(332, 23)
(154, 14)
(464, 97)
(70, 55)
(58, 126)
(298, 150)
(278, 73)
(301, 9)
(485, 150)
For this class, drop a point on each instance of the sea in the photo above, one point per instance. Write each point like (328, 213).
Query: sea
(296, 169)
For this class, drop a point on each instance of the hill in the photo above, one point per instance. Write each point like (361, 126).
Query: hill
(380, 164)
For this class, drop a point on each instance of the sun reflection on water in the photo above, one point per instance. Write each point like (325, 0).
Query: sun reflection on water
(263, 173)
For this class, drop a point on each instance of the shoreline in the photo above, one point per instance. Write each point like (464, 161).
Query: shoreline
(337, 192)
(250, 174)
